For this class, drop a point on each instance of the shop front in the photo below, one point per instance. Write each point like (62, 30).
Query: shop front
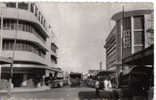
(24, 77)
(141, 77)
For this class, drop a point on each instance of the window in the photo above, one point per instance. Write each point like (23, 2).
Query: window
(53, 59)
(53, 47)
(42, 20)
(39, 16)
(22, 45)
(138, 37)
(127, 23)
(138, 30)
(11, 5)
(19, 26)
(32, 7)
(138, 22)
(138, 33)
(8, 44)
(23, 5)
(36, 11)
(137, 48)
(11, 24)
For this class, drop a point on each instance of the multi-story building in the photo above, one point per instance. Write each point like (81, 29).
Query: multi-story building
(111, 49)
(27, 39)
(132, 33)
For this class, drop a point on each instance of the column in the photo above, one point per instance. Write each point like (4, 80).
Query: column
(132, 35)
(29, 7)
(16, 4)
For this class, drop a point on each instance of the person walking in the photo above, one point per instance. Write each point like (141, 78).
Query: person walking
(97, 86)
(106, 84)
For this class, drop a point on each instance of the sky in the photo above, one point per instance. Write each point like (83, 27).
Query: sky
(81, 29)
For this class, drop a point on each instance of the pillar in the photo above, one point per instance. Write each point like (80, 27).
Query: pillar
(29, 7)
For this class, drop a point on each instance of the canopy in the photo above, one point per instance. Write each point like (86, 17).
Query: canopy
(144, 57)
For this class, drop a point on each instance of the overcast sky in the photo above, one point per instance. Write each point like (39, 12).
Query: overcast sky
(81, 30)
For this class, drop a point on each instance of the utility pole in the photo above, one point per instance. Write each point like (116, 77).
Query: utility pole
(13, 56)
(122, 32)
(1, 38)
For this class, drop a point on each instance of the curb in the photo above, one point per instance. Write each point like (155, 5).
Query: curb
(17, 90)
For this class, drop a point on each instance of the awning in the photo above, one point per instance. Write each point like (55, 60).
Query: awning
(34, 66)
(4, 60)
(144, 57)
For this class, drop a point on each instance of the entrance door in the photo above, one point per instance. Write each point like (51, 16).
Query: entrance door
(17, 79)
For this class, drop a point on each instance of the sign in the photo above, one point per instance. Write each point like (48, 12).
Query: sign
(126, 38)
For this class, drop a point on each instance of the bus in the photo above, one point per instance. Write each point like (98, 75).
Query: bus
(58, 80)
(75, 79)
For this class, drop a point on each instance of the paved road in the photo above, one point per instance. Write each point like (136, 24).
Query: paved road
(65, 93)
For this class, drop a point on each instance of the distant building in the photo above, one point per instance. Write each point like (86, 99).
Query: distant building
(132, 33)
(26, 38)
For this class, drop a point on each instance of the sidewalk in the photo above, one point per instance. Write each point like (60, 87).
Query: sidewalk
(26, 89)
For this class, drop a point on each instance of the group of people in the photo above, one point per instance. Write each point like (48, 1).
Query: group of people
(106, 85)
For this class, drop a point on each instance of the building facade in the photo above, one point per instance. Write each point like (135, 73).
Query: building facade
(111, 50)
(133, 33)
(26, 38)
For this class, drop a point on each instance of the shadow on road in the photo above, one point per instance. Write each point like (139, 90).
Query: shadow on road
(91, 95)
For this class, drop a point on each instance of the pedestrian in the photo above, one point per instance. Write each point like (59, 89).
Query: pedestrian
(97, 86)
(109, 84)
(106, 84)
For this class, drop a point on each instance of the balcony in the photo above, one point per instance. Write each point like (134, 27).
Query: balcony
(14, 13)
(24, 56)
(21, 35)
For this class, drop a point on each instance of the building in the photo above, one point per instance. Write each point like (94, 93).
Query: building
(26, 38)
(132, 33)
(111, 50)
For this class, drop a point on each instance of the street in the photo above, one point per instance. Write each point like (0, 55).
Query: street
(65, 93)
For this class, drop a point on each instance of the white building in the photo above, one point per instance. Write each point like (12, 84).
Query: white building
(26, 38)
